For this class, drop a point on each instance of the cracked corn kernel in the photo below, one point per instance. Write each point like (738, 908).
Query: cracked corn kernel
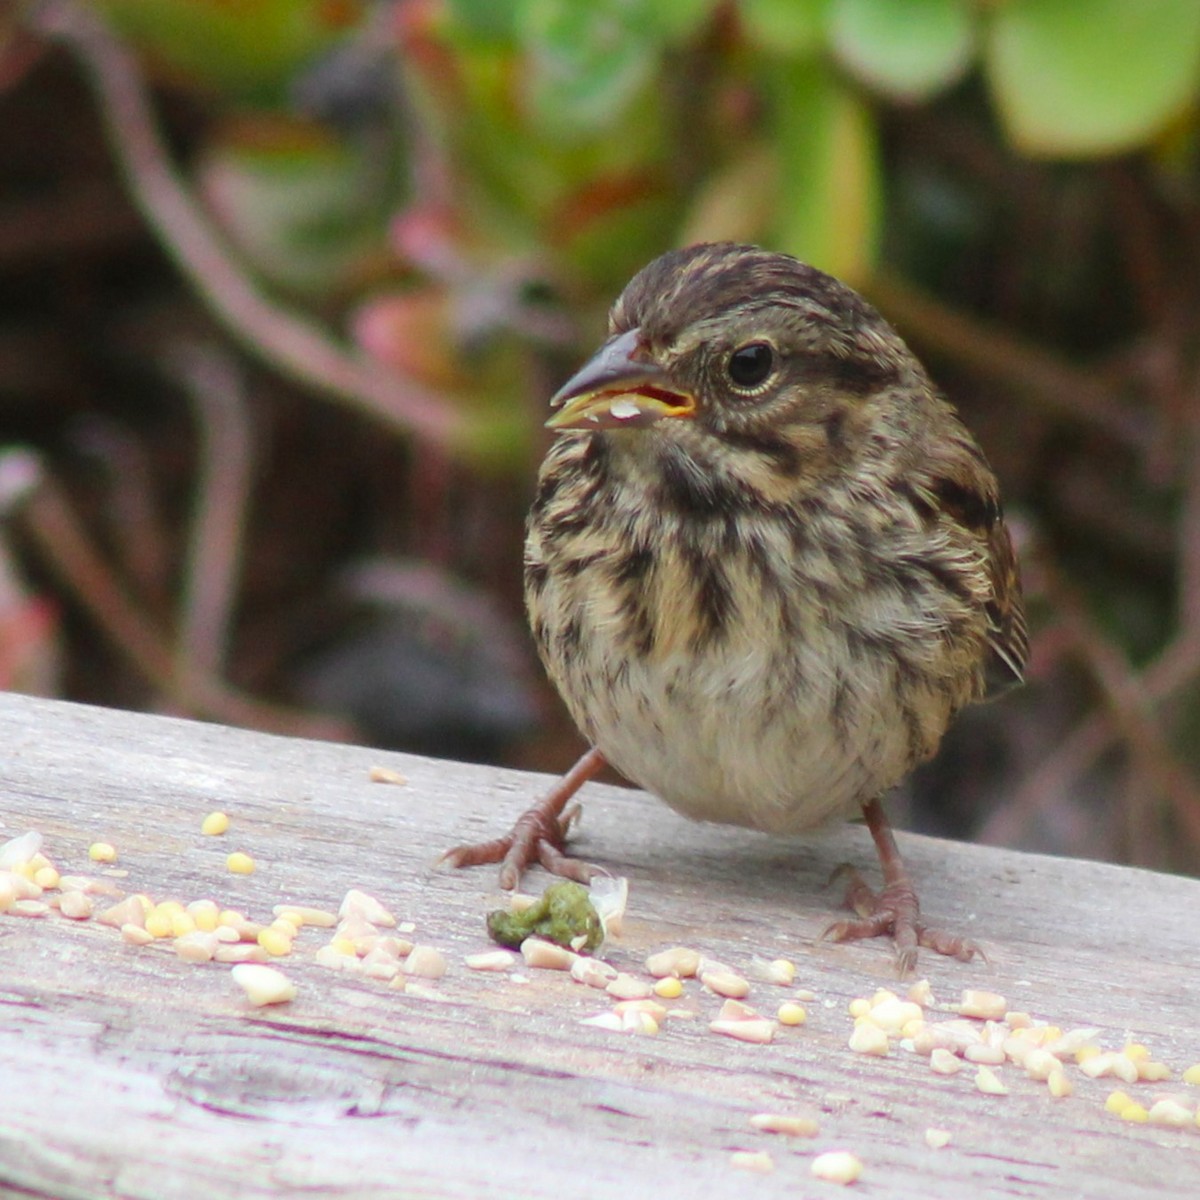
(757, 1030)
(943, 1062)
(182, 923)
(102, 852)
(136, 935)
(158, 923)
(837, 1166)
(1192, 1074)
(1059, 1084)
(726, 983)
(1169, 1112)
(262, 984)
(986, 1006)
(935, 1139)
(859, 1007)
(668, 988)
(1153, 1072)
(868, 1039)
(1117, 1102)
(752, 1160)
(240, 864)
(1134, 1112)
(76, 905)
(988, 1082)
(785, 1124)
(215, 824)
(791, 1014)
(46, 877)
(275, 942)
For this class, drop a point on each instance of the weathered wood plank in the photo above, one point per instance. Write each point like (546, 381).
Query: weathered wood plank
(126, 1072)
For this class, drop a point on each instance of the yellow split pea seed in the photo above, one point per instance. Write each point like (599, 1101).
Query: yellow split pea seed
(240, 864)
(215, 824)
(102, 852)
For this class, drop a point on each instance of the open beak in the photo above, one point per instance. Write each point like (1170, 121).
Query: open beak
(618, 390)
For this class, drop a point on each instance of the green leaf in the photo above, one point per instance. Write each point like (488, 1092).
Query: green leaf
(1077, 78)
(587, 61)
(909, 50)
(488, 19)
(785, 26)
(829, 209)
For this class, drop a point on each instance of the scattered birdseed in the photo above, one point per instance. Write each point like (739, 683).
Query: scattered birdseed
(868, 1039)
(779, 971)
(986, 1006)
(893, 1014)
(300, 914)
(679, 961)
(46, 877)
(1169, 1112)
(669, 987)
(378, 964)
(1040, 1064)
(636, 1021)
(102, 852)
(593, 971)
(196, 946)
(628, 987)
(359, 904)
(76, 905)
(791, 1013)
(491, 960)
(425, 962)
(1117, 1102)
(837, 1166)
(136, 935)
(1153, 1072)
(537, 952)
(758, 1161)
(386, 775)
(944, 1063)
(935, 1139)
(725, 983)
(239, 952)
(792, 1126)
(275, 942)
(28, 908)
(1136, 1113)
(215, 824)
(759, 1030)
(239, 863)
(987, 1081)
(859, 1007)
(1058, 1083)
(263, 985)
(1192, 1075)
(921, 993)
(605, 1020)
(991, 1056)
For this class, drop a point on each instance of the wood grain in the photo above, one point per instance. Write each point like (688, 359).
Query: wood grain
(126, 1072)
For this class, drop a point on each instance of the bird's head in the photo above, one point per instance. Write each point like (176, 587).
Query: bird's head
(732, 341)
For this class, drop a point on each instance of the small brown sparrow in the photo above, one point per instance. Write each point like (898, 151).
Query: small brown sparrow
(766, 565)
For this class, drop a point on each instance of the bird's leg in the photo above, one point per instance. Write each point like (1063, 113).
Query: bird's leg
(895, 909)
(539, 834)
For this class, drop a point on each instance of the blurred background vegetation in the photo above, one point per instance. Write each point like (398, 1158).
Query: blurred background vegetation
(285, 284)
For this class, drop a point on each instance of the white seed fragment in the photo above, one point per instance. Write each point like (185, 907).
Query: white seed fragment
(791, 1013)
(1040, 1064)
(988, 1082)
(943, 1062)
(102, 852)
(18, 851)
(868, 1039)
(921, 993)
(136, 935)
(668, 987)
(196, 946)
(757, 1029)
(263, 985)
(635, 1021)
(538, 952)
(892, 1014)
(779, 971)
(386, 775)
(985, 1006)
(1124, 1068)
(1059, 1084)
(1170, 1112)
(359, 904)
(725, 983)
(735, 1010)
(605, 1020)
(981, 1052)
(424, 962)
(935, 1139)
(239, 952)
(593, 971)
(20, 886)
(76, 905)
(792, 1126)
(837, 1166)
(679, 961)
(322, 918)
(1098, 1065)
(378, 964)
(491, 960)
(758, 1161)
(29, 908)
(628, 987)
(128, 912)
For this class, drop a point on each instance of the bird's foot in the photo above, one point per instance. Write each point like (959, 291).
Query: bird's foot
(539, 834)
(895, 912)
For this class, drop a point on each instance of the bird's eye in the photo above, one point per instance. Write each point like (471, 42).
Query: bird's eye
(749, 365)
